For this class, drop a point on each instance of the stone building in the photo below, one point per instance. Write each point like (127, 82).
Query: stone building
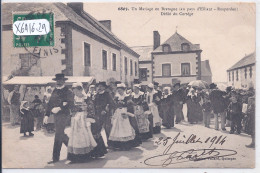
(83, 46)
(175, 59)
(242, 75)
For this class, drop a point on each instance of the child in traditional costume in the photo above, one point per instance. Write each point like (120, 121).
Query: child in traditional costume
(27, 119)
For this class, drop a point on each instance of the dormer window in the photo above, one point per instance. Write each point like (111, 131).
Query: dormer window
(185, 47)
(166, 48)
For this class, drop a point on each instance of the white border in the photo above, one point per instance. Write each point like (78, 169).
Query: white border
(256, 170)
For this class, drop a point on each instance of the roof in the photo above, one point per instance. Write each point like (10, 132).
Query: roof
(247, 60)
(175, 42)
(144, 52)
(205, 68)
(65, 13)
(44, 80)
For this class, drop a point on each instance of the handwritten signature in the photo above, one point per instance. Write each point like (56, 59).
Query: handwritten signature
(169, 157)
(176, 157)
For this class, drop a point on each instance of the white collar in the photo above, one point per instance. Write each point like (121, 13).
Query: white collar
(59, 88)
(140, 93)
(101, 92)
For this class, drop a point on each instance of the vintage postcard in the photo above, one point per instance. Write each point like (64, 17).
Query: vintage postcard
(128, 84)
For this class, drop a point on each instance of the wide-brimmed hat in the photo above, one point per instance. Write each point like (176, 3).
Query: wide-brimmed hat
(121, 85)
(117, 82)
(103, 83)
(156, 84)
(177, 83)
(212, 86)
(60, 76)
(92, 86)
(136, 81)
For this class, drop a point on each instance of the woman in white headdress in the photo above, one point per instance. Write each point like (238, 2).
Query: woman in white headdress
(122, 135)
(153, 101)
(81, 141)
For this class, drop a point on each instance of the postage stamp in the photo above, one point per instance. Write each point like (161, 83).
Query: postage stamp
(33, 29)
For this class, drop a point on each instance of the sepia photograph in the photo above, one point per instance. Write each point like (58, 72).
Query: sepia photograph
(128, 85)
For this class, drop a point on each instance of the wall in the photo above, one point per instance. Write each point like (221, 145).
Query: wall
(149, 68)
(242, 83)
(96, 68)
(43, 67)
(168, 80)
(175, 60)
(127, 78)
(208, 79)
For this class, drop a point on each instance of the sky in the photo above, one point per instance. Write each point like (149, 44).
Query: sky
(225, 37)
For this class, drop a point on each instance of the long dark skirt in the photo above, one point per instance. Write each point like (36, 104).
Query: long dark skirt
(156, 129)
(127, 145)
(27, 122)
(168, 116)
(79, 157)
(194, 111)
(100, 150)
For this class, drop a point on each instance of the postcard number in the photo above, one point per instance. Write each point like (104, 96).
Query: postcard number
(31, 27)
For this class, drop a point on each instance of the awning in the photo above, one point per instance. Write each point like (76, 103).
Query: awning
(44, 80)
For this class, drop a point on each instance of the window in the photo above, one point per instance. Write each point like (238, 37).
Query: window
(250, 72)
(232, 75)
(125, 65)
(245, 72)
(131, 67)
(27, 60)
(166, 69)
(86, 54)
(143, 74)
(135, 68)
(166, 48)
(104, 58)
(185, 47)
(229, 76)
(185, 69)
(114, 62)
(237, 75)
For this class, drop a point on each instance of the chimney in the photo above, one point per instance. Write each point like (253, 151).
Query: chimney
(76, 6)
(106, 23)
(156, 39)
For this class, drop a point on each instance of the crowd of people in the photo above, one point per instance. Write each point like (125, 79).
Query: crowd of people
(129, 116)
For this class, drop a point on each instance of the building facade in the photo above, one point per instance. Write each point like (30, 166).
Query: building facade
(83, 46)
(175, 59)
(242, 75)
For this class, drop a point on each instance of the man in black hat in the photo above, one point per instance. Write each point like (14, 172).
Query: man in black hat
(218, 103)
(156, 88)
(103, 105)
(179, 98)
(61, 101)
